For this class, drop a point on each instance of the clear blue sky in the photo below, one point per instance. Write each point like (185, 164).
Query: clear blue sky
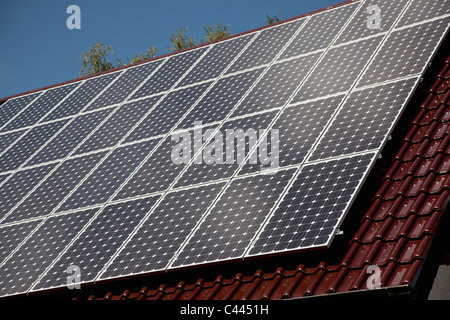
(37, 49)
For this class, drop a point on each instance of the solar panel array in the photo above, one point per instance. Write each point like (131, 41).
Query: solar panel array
(87, 170)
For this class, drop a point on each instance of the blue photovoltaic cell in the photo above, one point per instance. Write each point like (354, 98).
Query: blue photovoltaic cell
(39, 108)
(338, 70)
(168, 112)
(12, 107)
(12, 235)
(266, 46)
(298, 129)
(25, 266)
(159, 171)
(18, 186)
(107, 178)
(9, 138)
(155, 174)
(44, 199)
(118, 125)
(65, 141)
(312, 209)
(125, 84)
(406, 52)
(98, 242)
(216, 60)
(77, 101)
(162, 233)
(27, 145)
(420, 10)
(234, 220)
(169, 73)
(358, 27)
(365, 120)
(221, 98)
(277, 85)
(318, 32)
(226, 150)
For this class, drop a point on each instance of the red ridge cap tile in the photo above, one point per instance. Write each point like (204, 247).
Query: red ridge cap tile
(389, 252)
(268, 285)
(361, 232)
(373, 209)
(377, 230)
(425, 225)
(436, 146)
(365, 254)
(287, 286)
(434, 202)
(441, 182)
(227, 291)
(420, 185)
(444, 165)
(354, 280)
(428, 102)
(398, 188)
(415, 249)
(423, 117)
(400, 228)
(444, 73)
(308, 284)
(405, 274)
(428, 165)
(406, 169)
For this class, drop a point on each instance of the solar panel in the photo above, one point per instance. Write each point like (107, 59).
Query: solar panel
(318, 32)
(69, 137)
(54, 188)
(39, 108)
(14, 106)
(81, 98)
(160, 236)
(313, 207)
(39, 250)
(16, 154)
(19, 184)
(228, 229)
(94, 246)
(250, 146)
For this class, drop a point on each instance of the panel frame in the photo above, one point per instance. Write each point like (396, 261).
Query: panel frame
(375, 157)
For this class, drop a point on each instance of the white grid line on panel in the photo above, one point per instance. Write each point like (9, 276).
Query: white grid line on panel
(23, 109)
(69, 121)
(336, 112)
(250, 152)
(164, 192)
(348, 205)
(103, 205)
(68, 157)
(173, 128)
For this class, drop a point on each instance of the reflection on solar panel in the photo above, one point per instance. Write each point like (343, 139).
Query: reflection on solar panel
(253, 145)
